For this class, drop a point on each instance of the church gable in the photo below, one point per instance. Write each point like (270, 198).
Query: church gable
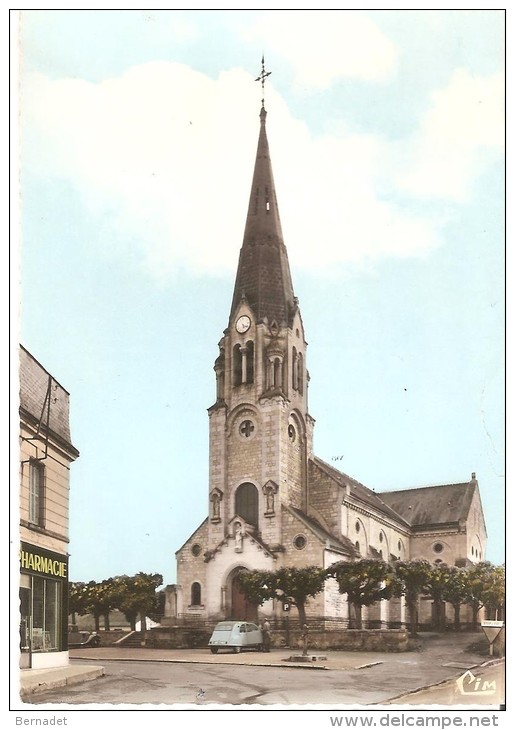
(306, 541)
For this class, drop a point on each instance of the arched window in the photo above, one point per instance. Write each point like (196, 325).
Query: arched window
(300, 374)
(294, 370)
(250, 361)
(196, 594)
(277, 373)
(236, 365)
(247, 503)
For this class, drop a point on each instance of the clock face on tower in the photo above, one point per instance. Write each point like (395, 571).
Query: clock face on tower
(242, 324)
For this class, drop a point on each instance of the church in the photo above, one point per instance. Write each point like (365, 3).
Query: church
(272, 502)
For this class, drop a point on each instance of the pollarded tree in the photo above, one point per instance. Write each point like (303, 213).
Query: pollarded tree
(479, 578)
(96, 599)
(77, 600)
(257, 585)
(297, 585)
(137, 595)
(455, 591)
(365, 582)
(289, 585)
(411, 578)
(438, 576)
(494, 595)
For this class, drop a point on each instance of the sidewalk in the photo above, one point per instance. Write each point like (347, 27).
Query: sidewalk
(439, 657)
(40, 680)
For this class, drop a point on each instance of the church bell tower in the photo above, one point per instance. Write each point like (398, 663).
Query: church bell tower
(260, 431)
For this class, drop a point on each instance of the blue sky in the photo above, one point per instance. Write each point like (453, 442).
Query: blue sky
(138, 131)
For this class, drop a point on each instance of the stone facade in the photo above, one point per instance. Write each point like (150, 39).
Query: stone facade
(272, 502)
(46, 454)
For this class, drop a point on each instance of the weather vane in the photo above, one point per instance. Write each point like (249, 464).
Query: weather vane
(262, 77)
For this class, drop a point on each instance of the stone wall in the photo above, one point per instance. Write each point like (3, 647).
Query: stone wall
(394, 640)
(178, 637)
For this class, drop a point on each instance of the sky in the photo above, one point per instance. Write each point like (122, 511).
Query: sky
(137, 138)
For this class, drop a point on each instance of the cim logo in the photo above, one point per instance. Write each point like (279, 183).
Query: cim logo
(469, 684)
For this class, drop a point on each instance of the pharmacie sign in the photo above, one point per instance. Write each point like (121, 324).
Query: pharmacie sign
(43, 562)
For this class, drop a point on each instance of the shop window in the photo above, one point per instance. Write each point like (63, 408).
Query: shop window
(196, 594)
(45, 614)
(36, 492)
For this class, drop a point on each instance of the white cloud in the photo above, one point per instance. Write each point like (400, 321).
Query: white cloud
(464, 125)
(165, 155)
(324, 46)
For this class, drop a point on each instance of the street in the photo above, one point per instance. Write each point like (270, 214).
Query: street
(347, 678)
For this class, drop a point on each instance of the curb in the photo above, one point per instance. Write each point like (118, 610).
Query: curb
(62, 678)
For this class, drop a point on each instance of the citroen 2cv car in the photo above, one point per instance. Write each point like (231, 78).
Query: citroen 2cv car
(236, 635)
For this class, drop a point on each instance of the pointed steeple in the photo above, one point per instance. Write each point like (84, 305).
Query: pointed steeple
(263, 277)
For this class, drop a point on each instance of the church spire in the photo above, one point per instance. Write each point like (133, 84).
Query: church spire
(263, 277)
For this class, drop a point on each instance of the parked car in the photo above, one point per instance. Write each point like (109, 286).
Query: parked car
(236, 635)
(77, 638)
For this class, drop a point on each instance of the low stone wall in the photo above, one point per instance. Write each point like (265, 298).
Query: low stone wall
(177, 637)
(388, 640)
(109, 638)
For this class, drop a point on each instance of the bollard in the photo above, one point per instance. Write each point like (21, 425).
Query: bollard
(305, 639)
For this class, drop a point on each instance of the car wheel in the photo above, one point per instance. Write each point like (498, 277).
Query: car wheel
(236, 649)
(214, 650)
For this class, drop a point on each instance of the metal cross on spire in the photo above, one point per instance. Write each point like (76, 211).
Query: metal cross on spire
(262, 77)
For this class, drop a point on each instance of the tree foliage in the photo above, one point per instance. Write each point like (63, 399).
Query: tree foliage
(485, 586)
(289, 585)
(411, 579)
(132, 595)
(257, 585)
(365, 582)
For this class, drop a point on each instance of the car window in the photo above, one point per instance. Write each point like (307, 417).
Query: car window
(243, 629)
(224, 627)
(252, 627)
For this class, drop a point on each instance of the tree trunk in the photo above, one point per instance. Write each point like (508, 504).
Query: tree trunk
(143, 620)
(355, 615)
(97, 622)
(439, 614)
(457, 623)
(107, 626)
(301, 608)
(413, 616)
(475, 614)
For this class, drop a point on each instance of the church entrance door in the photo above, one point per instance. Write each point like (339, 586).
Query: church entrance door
(240, 608)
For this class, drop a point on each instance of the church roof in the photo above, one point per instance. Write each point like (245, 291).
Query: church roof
(425, 506)
(263, 276)
(416, 507)
(359, 491)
